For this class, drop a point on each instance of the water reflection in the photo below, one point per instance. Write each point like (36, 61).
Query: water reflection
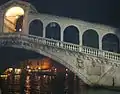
(60, 83)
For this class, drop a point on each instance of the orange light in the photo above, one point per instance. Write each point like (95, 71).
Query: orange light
(43, 64)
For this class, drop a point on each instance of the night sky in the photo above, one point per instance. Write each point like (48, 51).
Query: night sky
(98, 11)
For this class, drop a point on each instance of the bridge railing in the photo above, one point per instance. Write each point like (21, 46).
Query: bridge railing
(63, 45)
(74, 47)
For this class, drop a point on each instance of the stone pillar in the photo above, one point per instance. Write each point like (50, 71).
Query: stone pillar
(25, 24)
(80, 38)
(62, 33)
(100, 42)
(44, 29)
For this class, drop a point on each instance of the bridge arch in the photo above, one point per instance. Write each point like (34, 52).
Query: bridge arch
(36, 28)
(90, 38)
(59, 60)
(53, 30)
(24, 44)
(71, 34)
(13, 19)
(110, 42)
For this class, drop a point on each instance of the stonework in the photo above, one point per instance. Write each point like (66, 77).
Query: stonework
(93, 66)
(91, 69)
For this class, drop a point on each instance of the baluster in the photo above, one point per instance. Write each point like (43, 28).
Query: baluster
(72, 47)
(101, 53)
(61, 45)
(80, 49)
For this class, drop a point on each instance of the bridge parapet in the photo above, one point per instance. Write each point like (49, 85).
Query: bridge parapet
(93, 66)
(63, 45)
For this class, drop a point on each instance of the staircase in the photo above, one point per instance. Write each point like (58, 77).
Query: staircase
(9, 25)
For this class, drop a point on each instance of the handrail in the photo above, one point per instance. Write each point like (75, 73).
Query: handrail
(64, 45)
(9, 21)
(10, 25)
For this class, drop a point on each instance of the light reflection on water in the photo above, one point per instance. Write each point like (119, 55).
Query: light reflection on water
(44, 84)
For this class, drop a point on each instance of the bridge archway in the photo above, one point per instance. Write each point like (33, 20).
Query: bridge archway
(43, 50)
(71, 34)
(90, 38)
(53, 31)
(110, 42)
(13, 19)
(36, 28)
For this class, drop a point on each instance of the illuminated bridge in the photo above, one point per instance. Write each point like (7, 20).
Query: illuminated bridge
(89, 50)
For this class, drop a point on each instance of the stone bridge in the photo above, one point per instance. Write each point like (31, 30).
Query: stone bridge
(93, 66)
(87, 49)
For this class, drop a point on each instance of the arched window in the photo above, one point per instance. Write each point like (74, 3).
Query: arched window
(71, 34)
(90, 38)
(36, 28)
(13, 19)
(53, 31)
(110, 42)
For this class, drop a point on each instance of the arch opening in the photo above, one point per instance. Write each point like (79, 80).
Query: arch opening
(71, 34)
(58, 73)
(53, 31)
(13, 19)
(90, 38)
(55, 58)
(110, 42)
(36, 28)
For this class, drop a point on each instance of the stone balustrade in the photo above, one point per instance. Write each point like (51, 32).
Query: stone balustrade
(60, 44)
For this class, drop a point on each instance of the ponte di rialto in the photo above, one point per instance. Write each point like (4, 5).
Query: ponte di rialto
(91, 52)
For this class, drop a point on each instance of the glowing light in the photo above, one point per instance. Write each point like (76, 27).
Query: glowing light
(16, 17)
(55, 69)
(3, 76)
(44, 76)
(39, 68)
(10, 69)
(17, 71)
(20, 29)
(66, 69)
(15, 11)
(29, 70)
(11, 16)
(66, 74)
(28, 67)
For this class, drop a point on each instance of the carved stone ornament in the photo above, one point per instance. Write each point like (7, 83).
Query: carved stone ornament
(80, 61)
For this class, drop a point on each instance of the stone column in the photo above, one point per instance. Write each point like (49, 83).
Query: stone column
(100, 42)
(44, 29)
(62, 33)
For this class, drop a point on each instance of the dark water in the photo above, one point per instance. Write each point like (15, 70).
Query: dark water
(48, 84)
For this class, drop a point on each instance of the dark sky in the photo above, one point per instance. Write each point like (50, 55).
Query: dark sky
(100, 11)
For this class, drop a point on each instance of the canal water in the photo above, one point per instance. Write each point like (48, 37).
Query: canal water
(48, 84)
